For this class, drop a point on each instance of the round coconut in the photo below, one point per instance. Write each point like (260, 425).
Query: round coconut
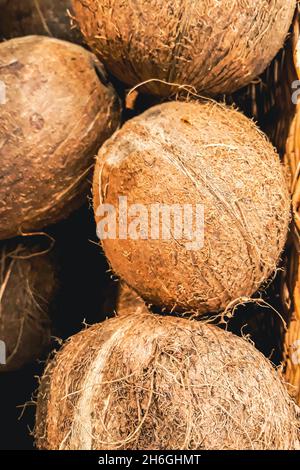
(213, 46)
(46, 17)
(54, 115)
(176, 161)
(143, 381)
(27, 286)
(129, 302)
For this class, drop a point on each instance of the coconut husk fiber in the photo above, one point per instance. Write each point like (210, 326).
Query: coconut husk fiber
(195, 153)
(269, 99)
(129, 302)
(212, 46)
(143, 381)
(45, 17)
(28, 283)
(55, 114)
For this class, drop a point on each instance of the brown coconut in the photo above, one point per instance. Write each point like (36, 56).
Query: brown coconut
(213, 46)
(129, 302)
(194, 153)
(28, 284)
(147, 382)
(46, 17)
(54, 115)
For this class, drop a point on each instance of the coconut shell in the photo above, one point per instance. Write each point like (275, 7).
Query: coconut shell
(147, 382)
(45, 17)
(54, 116)
(195, 153)
(212, 46)
(28, 284)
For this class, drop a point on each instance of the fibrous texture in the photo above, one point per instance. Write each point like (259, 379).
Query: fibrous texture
(215, 46)
(54, 115)
(196, 155)
(46, 17)
(147, 382)
(27, 287)
(129, 302)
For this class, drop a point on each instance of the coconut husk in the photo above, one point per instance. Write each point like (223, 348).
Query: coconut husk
(201, 154)
(28, 283)
(268, 99)
(129, 301)
(49, 132)
(143, 381)
(171, 45)
(46, 17)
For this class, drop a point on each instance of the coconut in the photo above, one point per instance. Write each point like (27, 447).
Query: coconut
(213, 46)
(143, 381)
(46, 17)
(55, 113)
(129, 302)
(177, 160)
(27, 287)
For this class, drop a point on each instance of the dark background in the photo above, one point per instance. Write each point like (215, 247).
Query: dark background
(87, 293)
